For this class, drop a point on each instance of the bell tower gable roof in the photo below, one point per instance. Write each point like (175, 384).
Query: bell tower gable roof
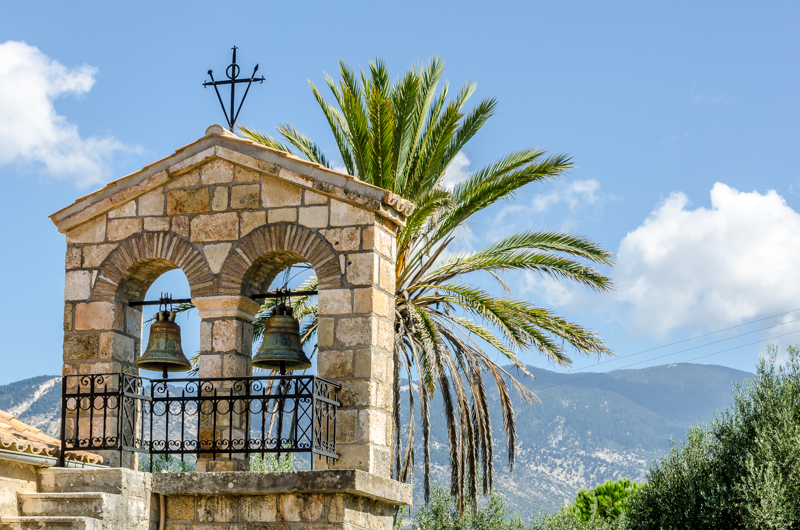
(219, 143)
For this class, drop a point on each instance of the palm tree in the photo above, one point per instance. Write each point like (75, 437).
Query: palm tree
(402, 136)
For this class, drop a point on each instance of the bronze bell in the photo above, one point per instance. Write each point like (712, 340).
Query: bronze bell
(281, 349)
(164, 353)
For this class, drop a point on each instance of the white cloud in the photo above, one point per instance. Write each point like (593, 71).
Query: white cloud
(710, 267)
(457, 172)
(464, 242)
(336, 166)
(676, 138)
(700, 97)
(575, 194)
(30, 128)
(546, 291)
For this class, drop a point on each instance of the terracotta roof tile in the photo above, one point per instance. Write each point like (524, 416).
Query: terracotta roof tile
(23, 438)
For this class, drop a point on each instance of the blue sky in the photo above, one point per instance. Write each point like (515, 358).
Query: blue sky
(682, 120)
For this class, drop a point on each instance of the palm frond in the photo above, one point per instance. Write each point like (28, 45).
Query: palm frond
(577, 246)
(404, 102)
(467, 128)
(339, 128)
(547, 264)
(264, 139)
(303, 143)
(402, 135)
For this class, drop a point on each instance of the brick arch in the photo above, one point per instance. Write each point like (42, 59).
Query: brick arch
(134, 265)
(257, 258)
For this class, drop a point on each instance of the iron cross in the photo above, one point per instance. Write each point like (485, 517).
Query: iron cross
(232, 72)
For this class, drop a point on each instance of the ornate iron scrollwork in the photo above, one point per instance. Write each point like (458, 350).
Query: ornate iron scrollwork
(268, 414)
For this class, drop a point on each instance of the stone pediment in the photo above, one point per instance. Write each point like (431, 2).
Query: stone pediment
(256, 162)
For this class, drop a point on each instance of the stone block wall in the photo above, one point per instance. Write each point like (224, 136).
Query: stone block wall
(231, 221)
(280, 511)
(129, 495)
(316, 500)
(122, 499)
(15, 478)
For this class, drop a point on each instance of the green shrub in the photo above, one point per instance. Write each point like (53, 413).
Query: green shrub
(441, 514)
(608, 500)
(269, 463)
(165, 464)
(741, 471)
(566, 519)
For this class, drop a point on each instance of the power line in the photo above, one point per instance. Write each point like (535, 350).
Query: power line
(665, 355)
(619, 357)
(664, 367)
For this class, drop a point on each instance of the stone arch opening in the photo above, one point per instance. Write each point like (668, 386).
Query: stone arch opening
(258, 258)
(136, 281)
(130, 269)
(266, 269)
(125, 276)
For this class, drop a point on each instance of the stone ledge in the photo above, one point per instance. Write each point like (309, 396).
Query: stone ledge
(114, 480)
(352, 481)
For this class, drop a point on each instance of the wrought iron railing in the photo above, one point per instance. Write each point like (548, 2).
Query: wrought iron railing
(206, 417)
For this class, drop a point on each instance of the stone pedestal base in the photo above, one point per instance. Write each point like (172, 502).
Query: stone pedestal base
(342, 499)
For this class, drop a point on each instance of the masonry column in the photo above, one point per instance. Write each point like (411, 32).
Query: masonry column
(100, 337)
(226, 343)
(356, 340)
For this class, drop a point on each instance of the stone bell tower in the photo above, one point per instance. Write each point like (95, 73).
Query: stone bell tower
(232, 214)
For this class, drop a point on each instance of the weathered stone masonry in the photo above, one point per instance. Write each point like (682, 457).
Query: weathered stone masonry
(315, 500)
(231, 215)
(122, 499)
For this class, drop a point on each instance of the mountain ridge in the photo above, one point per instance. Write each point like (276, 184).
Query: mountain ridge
(587, 428)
